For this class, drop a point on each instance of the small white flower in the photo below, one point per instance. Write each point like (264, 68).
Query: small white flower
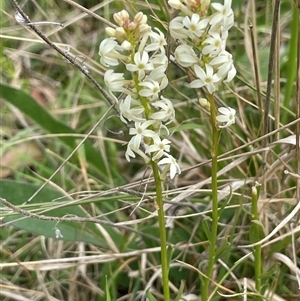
(214, 45)
(208, 79)
(224, 65)
(130, 113)
(129, 153)
(159, 146)
(131, 149)
(224, 15)
(223, 60)
(171, 165)
(159, 60)
(114, 81)
(158, 75)
(110, 52)
(166, 111)
(185, 56)
(150, 89)
(231, 74)
(141, 64)
(177, 29)
(140, 131)
(228, 117)
(158, 41)
(195, 26)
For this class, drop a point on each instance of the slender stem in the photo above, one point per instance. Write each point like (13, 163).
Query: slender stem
(215, 214)
(162, 230)
(255, 237)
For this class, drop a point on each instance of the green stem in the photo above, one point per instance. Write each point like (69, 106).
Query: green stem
(215, 213)
(255, 237)
(162, 230)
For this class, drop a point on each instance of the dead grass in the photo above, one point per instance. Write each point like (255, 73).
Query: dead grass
(127, 262)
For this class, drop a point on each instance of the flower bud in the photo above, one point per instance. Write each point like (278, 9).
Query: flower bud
(175, 4)
(110, 31)
(139, 17)
(132, 26)
(120, 34)
(204, 7)
(126, 45)
(204, 103)
(121, 17)
(144, 28)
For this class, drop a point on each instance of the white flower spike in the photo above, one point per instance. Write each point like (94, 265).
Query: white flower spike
(141, 51)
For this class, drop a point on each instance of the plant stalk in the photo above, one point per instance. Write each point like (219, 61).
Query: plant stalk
(215, 213)
(163, 235)
(255, 237)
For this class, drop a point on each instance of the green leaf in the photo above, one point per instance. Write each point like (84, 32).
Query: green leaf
(222, 250)
(180, 291)
(107, 294)
(206, 227)
(43, 203)
(282, 244)
(256, 231)
(27, 105)
(169, 255)
(291, 64)
(150, 296)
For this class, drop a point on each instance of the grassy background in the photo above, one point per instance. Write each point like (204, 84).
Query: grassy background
(48, 107)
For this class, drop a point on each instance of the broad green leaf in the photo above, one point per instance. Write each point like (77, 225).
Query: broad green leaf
(48, 198)
(27, 105)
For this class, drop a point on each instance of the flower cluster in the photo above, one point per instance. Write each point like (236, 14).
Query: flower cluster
(202, 40)
(140, 49)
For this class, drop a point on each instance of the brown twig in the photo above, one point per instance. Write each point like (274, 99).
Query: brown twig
(73, 219)
(270, 71)
(256, 69)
